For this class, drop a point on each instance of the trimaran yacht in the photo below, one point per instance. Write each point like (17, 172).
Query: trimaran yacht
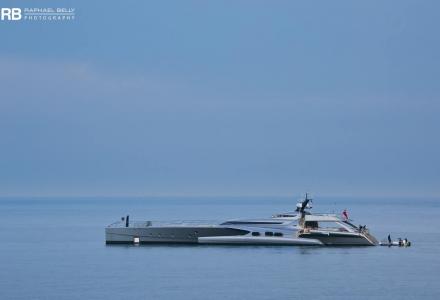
(300, 227)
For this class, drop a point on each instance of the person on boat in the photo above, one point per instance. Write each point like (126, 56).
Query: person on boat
(389, 239)
(400, 242)
(345, 215)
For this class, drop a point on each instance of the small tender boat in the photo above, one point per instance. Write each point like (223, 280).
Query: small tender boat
(399, 243)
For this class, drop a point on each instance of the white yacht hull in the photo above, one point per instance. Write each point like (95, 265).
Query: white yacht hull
(298, 228)
(251, 240)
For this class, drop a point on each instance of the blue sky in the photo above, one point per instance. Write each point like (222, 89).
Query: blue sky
(222, 98)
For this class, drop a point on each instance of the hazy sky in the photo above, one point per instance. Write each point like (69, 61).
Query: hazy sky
(222, 98)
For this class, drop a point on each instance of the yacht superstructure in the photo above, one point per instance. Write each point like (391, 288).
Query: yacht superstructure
(294, 228)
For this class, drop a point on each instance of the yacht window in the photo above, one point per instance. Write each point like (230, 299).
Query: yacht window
(311, 224)
(251, 223)
(268, 233)
(285, 216)
(255, 233)
(278, 234)
(331, 226)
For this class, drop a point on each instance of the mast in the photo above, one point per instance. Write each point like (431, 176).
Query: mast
(302, 209)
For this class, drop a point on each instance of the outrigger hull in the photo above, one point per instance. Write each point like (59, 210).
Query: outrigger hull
(250, 240)
(178, 234)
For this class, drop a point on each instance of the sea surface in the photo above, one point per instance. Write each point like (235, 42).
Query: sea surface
(54, 248)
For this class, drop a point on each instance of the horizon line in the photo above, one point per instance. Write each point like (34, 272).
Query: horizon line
(182, 195)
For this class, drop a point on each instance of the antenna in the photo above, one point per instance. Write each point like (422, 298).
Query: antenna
(305, 202)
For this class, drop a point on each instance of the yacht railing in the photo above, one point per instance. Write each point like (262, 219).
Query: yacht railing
(143, 224)
(325, 214)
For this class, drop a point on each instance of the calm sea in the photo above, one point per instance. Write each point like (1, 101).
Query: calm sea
(53, 248)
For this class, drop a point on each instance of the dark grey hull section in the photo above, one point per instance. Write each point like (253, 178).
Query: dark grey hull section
(128, 235)
(334, 239)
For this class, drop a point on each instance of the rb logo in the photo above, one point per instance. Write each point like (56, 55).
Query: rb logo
(10, 14)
